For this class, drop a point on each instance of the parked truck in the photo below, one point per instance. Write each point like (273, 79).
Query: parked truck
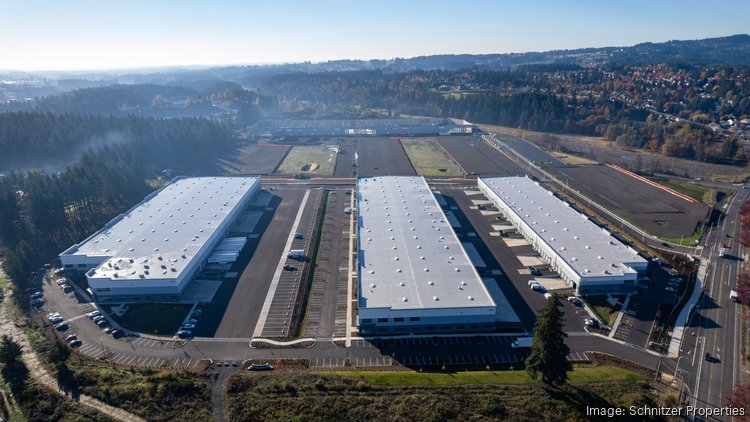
(734, 296)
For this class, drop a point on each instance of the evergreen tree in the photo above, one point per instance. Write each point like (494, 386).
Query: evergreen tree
(548, 350)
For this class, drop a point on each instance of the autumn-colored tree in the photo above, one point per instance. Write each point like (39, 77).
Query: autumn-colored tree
(740, 398)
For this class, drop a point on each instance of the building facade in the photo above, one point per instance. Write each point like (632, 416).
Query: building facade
(152, 251)
(585, 255)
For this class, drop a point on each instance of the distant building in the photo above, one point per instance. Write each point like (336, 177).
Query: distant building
(153, 250)
(414, 275)
(585, 255)
(360, 127)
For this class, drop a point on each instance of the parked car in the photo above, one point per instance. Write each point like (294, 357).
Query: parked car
(548, 296)
(67, 288)
(97, 318)
(62, 326)
(108, 330)
(102, 323)
(534, 271)
(116, 333)
(537, 288)
(184, 333)
(260, 367)
(670, 289)
(591, 322)
(290, 268)
(75, 343)
(298, 235)
(37, 302)
(532, 281)
(94, 313)
(71, 338)
(348, 210)
(61, 281)
(191, 321)
(36, 295)
(187, 327)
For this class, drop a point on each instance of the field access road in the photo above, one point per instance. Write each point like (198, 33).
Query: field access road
(714, 326)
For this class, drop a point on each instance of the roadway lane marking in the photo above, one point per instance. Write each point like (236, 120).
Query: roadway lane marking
(280, 269)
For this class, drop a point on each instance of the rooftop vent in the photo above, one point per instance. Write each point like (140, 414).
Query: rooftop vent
(435, 298)
(403, 299)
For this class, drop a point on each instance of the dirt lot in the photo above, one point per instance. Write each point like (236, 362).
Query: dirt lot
(652, 209)
(255, 159)
(478, 158)
(382, 156)
(598, 149)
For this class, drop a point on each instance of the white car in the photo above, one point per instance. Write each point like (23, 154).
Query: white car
(94, 313)
(548, 296)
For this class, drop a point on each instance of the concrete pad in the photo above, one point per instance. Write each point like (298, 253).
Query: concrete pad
(485, 212)
(200, 291)
(473, 254)
(516, 242)
(499, 227)
(531, 260)
(494, 234)
(472, 192)
(504, 311)
(481, 202)
(524, 271)
(452, 220)
(553, 284)
(261, 199)
(247, 222)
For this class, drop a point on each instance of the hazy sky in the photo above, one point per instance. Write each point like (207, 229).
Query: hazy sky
(74, 34)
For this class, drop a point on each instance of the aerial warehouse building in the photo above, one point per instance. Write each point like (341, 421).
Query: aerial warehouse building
(413, 274)
(585, 255)
(152, 251)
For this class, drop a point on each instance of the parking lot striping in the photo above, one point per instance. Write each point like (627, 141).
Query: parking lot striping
(279, 269)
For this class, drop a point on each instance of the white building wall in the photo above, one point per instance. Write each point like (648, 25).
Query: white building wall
(583, 285)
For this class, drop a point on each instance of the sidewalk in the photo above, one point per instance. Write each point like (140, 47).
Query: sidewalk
(683, 317)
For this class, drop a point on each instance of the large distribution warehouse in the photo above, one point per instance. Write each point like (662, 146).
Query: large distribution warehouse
(153, 250)
(414, 275)
(584, 254)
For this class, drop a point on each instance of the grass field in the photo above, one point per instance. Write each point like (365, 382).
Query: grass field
(318, 160)
(572, 159)
(603, 309)
(692, 190)
(578, 374)
(429, 159)
(153, 318)
(342, 398)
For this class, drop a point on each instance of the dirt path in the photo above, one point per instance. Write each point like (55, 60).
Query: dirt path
(39, 372)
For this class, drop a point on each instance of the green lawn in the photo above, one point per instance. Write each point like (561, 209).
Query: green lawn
(318, 160)
(153, 318)
(691, 240)
(429, 159)
(577, 375)
(602, 308)
(694, 191)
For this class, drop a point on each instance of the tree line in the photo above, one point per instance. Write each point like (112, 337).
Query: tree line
(41, 213)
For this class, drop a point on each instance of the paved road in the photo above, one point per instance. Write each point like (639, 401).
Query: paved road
(713, 328)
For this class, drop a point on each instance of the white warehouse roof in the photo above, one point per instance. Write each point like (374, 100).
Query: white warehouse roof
(587, 248)
(409, 256)
(158, 238)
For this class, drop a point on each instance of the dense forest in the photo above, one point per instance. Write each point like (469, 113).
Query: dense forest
(41, 214)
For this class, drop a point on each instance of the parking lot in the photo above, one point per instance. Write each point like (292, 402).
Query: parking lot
(329, 285)
(279, 317)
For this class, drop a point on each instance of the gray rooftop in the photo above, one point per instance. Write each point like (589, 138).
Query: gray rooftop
(410, 258)
(589, 249)
(158, 238)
